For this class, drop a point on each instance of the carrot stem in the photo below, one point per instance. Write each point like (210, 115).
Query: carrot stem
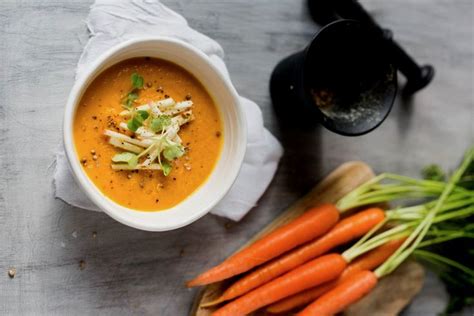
(380, 239)
(373, 191)
(371, 232)
(456, 214)
(447, 237)
(414, 216)
(419, 212)
(419, 233)
(437, 258)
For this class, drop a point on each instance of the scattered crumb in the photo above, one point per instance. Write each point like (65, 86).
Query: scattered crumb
(129, 175)
(82, 264)
(94, 235)
(12, 273)
(74, 234)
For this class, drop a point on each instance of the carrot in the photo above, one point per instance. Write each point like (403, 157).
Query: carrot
(300, 299)
(343, 295)
(376, 257)
(369, 261)
(315, 272)
(311, 224)
(346, 230)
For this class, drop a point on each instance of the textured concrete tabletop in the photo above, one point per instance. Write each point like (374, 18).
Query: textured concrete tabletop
(64, 268)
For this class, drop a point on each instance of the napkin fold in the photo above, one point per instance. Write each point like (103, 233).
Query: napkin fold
(112, 22)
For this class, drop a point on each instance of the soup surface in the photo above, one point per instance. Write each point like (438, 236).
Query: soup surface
(101, 109)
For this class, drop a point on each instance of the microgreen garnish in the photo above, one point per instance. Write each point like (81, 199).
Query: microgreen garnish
(166, 167)
(155, 142)
(137, 81)
(159, 123)
(137, 84)
(129, 99)
(172, 152)
(126, 157)
(137, 120)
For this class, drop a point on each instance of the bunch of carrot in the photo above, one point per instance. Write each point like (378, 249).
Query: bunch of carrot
(291, 267)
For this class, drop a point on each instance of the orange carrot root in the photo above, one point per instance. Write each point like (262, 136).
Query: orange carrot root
(315, 272)
(375, 257)
(311, 224)
(301, 299)
(346, 230)
(369, 261)
(343, 295)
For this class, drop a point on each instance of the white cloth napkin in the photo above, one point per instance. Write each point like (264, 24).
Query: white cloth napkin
(111, 22)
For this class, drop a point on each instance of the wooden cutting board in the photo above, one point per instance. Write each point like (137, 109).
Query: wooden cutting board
(338, 183)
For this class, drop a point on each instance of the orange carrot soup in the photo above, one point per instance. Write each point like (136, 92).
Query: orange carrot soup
(147, 133)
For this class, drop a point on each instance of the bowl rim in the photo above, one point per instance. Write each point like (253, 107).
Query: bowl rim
(87, 185)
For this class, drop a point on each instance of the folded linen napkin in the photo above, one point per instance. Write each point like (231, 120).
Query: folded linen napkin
(112, 22)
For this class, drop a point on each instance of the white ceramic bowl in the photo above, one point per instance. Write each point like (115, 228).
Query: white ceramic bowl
(235, 133)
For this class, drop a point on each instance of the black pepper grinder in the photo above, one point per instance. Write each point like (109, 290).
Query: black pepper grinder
(346, 77)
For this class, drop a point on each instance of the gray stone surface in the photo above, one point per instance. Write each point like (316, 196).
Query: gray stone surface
(132, 272)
